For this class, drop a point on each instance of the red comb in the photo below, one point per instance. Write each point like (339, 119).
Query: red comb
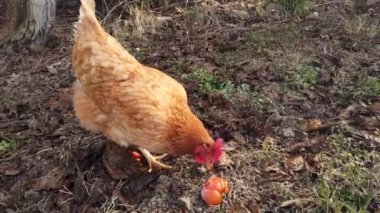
(218, 149)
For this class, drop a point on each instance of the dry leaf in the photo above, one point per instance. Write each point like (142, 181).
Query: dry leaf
(51, 68)
(316, 125)
(308, 144)
(295, 163)
(47, 183)
(9, 169)
(230, 146)
(269, 142)
(276, 170)
(374, 108)
(295, 202)
(312, 163)
(371, 140)
(347, 112)
(53, 180)
(237, 209)
(12, 172)
(225, 160)
(253, 206)
(311, 125)
(186, 201)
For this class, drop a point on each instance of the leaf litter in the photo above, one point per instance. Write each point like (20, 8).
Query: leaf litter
(271, 158)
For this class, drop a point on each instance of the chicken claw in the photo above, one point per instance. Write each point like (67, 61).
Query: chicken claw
(153, 161)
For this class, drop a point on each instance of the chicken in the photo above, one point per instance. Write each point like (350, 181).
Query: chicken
(132, 104)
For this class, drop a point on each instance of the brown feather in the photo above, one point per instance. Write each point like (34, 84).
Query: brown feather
(130, 103)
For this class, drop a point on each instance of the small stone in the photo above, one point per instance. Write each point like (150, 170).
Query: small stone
(186, 202)
(201, 169)
(306, 106)
(271, 7)
(374, 68)
(313, 15)
(242, 14)
(288, 133)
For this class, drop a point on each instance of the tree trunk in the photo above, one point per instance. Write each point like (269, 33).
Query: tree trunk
(27, 22)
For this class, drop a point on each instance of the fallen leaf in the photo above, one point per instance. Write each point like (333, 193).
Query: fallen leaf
(237, 209)
(139, 186)
(253, 206)
(239, 138)
(313, 161)
(369, 123)
(276, 170)
(269, 142)
(53, 180)
(316, 125)
(12, 172)
(374, 108)
(298, 202)
(9, 169)
(47, 183)
(307, 144)
(230, 146)
(186, 202)
(225, 160)
(295, 163)
(348, 112)
(64, 98)
(311, 125)
(241, 14)
(51, 68)
(371, 141)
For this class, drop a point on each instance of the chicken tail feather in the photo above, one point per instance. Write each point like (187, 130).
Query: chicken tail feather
(87, 22)
(87, 8)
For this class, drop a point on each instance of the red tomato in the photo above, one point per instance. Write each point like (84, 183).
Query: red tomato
(218, 184)
(213, 190)
(211, 197)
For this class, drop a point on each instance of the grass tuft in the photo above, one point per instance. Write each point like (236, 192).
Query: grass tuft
(304, 77)
(297, 7)
(7, 145)
(208, 83)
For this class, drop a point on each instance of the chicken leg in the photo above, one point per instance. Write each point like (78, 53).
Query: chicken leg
(153, 161)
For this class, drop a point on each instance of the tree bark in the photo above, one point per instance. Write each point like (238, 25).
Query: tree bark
(27, 22)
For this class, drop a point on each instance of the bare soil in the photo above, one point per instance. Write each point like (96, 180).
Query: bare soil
(255, 77)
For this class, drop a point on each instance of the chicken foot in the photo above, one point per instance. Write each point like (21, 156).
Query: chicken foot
(153, 161)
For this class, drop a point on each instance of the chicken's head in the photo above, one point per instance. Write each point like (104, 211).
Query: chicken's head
(208, 154)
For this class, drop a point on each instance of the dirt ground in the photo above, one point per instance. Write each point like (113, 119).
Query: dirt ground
(295, 98)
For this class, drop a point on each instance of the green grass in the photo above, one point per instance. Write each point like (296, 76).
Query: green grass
(304, 77)
(266, 41)
(296, 7)
(343, 186)
(177, 67)
(335, 198)
(208, 84)
(370, 87)
(367, 90)
(7, 145)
